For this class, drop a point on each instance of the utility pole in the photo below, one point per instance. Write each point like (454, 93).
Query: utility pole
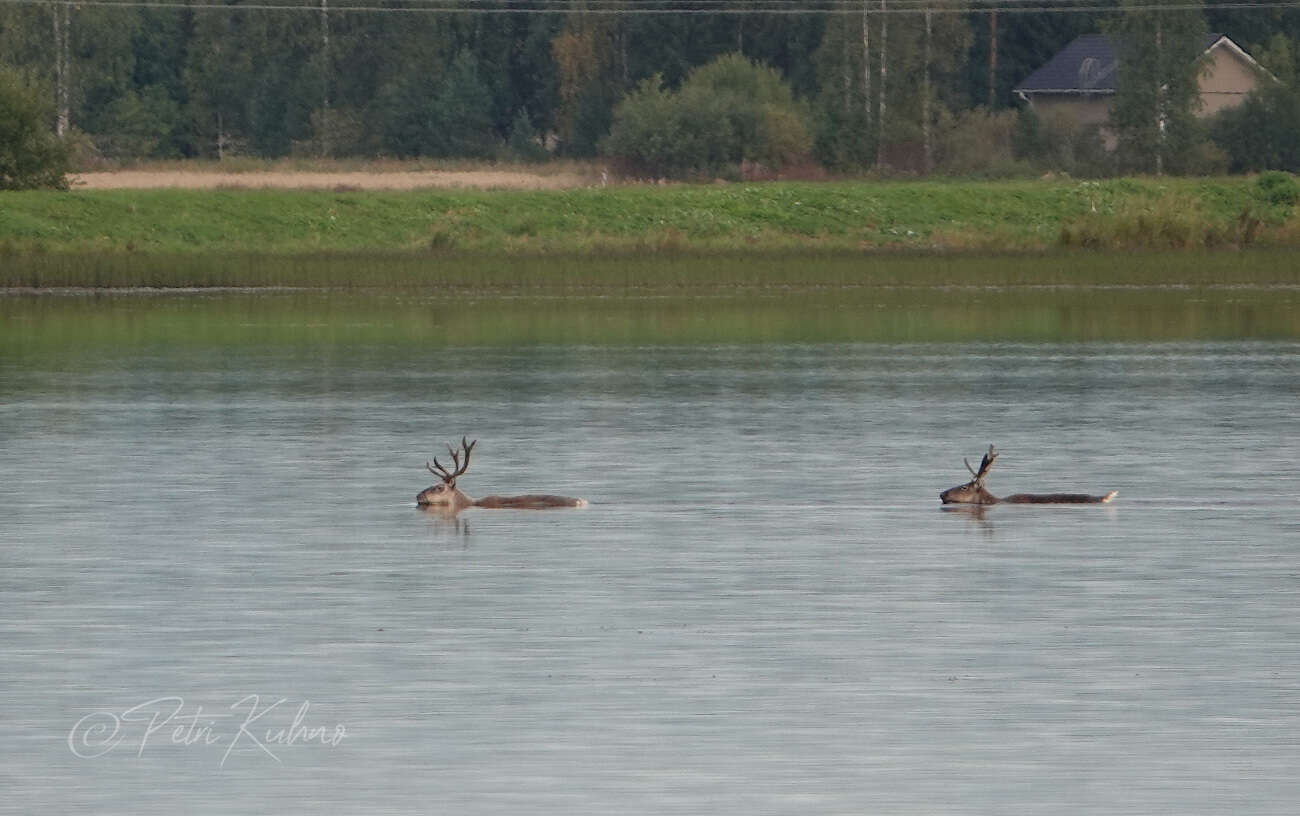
(866, 70)
(1160, 103)
(927, 160)
(880, 122)
(993, 58)
(62, 32)
(325, 78)
(846, 71)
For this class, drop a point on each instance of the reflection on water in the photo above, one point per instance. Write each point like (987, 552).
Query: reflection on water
(393, 325)
(764, 609)
(447, 525)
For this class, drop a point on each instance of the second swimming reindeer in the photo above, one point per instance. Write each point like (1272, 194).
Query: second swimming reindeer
(447, 497)
(973, 492)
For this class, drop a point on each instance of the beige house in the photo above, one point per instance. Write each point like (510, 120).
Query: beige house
(1080, 80)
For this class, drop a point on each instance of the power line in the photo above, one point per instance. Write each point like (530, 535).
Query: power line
(622, 8)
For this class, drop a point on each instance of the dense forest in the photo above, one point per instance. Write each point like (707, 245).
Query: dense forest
(911, 85)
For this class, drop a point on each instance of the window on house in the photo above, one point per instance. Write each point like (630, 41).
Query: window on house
(1088, 72)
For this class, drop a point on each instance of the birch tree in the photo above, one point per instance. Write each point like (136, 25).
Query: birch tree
(843, 136)
(1161, 58)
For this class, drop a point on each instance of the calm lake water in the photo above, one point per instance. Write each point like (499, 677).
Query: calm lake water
(764, 609)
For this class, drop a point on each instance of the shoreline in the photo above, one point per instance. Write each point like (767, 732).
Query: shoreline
(705, 290)
(466, 274)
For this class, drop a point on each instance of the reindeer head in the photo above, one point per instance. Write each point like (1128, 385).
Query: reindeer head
(445, 495)
(972, 492)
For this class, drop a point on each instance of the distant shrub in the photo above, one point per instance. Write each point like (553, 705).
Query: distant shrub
(1276, 189)
(338, 131)
(726, 113)
(978, 143)
(646, 137)
(1272, 197)
(1262, 133)
(1057, 143)
(30, 154)
(1197, 154)
(525, 143)
(1091, 158)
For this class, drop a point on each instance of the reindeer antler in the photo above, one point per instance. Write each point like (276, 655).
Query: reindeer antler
(985, 464)
(449, 476)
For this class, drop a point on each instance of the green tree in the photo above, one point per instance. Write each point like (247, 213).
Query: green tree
(1278, 58)
(102, 64)
(249, 80)
(844, 107)
(589, 81)
(926, 55)
(1154, 109)
(525, 143)
(158, 80)
(1263, 133)
(450, 116)
(918, 61)
(139, 124)
(395, 89)
(30, 155)
(285, 91)
(462, 121)
(1006, 52)
(767, 123)
(219, 78)
(730, 111)
(400, 114)
(646, 135)
(27, 42)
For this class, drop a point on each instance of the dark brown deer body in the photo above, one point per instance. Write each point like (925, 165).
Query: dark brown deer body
(447, 497)
(973, 492)
(530, 501)
(1056, 498)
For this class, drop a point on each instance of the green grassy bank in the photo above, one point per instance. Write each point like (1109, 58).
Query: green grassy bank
(946, 215)
(721, 236)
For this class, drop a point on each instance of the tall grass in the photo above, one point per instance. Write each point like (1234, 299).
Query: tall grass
(660, 272)
(1174, 222)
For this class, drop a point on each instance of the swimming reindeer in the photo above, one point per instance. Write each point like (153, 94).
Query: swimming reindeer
(973, 492)
(446, 496)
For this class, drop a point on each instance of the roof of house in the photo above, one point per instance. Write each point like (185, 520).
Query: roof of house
(1088, 65)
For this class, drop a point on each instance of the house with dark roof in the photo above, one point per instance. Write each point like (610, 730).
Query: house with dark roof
(1080, 80)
